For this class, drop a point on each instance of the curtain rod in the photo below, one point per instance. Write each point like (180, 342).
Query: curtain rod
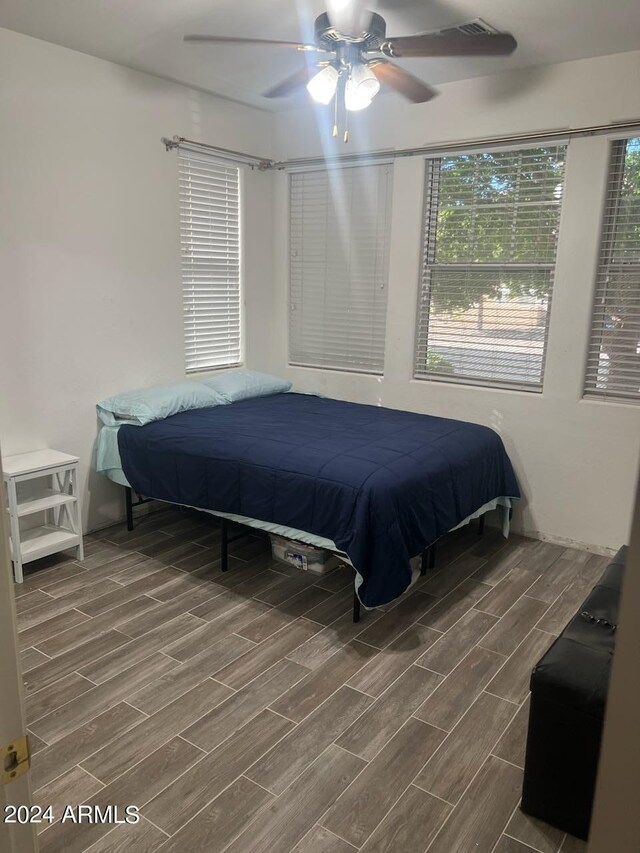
(265, 164)
(457, 145)
(261, 163)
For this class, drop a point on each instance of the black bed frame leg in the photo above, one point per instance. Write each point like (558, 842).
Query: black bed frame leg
(356, 607)
(481, 525)
(428, 559)
(224, 542)
(129, 505)
(424, 562)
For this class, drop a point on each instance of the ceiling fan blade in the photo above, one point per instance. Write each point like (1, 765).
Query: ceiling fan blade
(273, 43)
(289, 85)
(350, 17)
(491, 44)
(401, 81)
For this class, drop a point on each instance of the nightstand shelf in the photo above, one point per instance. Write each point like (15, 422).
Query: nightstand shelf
(44, 540)
(44, 482)
(47, 499)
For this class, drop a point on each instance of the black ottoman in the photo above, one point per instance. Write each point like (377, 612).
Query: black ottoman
(568, 698)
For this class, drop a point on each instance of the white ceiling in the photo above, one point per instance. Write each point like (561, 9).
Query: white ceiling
(147, 35)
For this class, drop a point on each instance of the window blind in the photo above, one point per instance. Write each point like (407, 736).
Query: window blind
(613, 358)
(339, 245)
(490, 232)
(210, 246)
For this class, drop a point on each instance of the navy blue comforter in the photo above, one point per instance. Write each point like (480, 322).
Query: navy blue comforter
(382, 484)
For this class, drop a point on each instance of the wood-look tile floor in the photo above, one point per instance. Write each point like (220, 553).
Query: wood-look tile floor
(245, 712)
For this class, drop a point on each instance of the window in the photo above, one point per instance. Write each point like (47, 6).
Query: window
(490, 232)
(613, 359)
(339, 242)
(210, 241)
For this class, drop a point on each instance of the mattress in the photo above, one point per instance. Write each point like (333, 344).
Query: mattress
(380, 485)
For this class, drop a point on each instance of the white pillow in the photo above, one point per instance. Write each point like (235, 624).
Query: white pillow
(145, 405)
(234, 385)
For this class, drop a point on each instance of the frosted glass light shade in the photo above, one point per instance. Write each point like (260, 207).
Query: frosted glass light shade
(362, 86)
(322, 86)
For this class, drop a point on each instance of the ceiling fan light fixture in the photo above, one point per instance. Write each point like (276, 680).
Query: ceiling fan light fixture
(365, 80)
(354, 101)
(322, 86)
(362, 86)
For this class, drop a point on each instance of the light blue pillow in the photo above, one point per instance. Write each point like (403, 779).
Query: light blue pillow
(234, 385)
(145, 405)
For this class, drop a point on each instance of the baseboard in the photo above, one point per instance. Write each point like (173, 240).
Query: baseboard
(569, 543)
(138, 512)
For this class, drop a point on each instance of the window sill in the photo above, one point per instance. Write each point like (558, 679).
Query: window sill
(470, 383)
(205, 371)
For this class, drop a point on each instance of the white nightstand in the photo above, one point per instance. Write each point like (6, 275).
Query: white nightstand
(55, 497)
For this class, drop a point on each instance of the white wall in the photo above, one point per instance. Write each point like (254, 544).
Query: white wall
(90, 299)
(576, 459)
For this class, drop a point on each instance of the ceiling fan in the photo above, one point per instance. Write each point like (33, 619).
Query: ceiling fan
(354, 52)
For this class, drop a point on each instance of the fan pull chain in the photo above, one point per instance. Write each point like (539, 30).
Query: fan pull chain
(338, 101)
(345, 138)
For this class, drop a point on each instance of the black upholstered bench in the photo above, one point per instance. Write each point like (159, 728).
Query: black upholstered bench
(568, 698)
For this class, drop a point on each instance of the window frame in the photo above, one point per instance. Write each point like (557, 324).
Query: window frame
(430, 210)
(613, 183)
(232, 166)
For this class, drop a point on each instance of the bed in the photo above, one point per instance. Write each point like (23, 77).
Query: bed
(374, 484)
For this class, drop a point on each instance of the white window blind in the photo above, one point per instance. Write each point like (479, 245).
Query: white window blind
(210, 243)
(490, 232)
(613, 359)
(339, 242)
